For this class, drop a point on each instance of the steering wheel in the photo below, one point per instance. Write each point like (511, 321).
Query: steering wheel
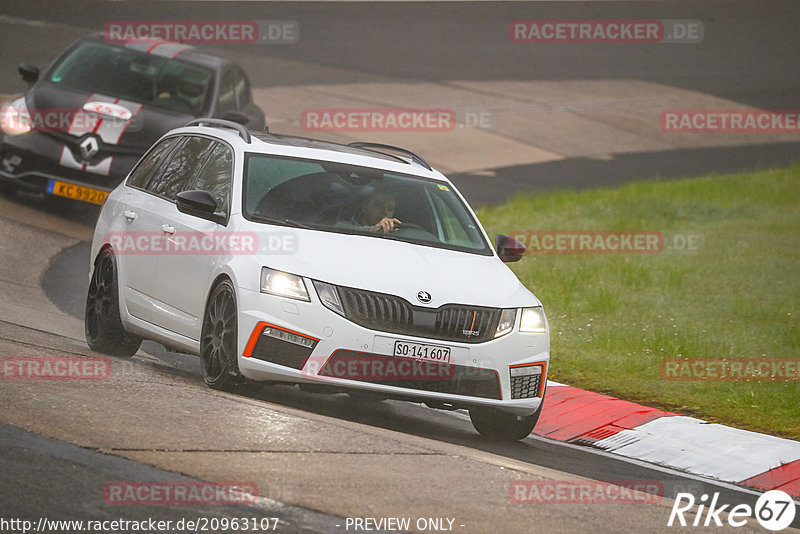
(415, 231)
(411, 226)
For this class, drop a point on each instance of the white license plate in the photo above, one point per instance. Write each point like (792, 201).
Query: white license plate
(422, 351)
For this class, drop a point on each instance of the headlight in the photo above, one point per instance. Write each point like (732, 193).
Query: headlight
(533, 321)
(329, 296)
(283, 284)
(16, 120)
(506, 322)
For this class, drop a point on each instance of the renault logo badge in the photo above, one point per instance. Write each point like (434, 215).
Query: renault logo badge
(89, 147)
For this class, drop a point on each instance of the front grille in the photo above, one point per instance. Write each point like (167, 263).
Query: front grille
(375, 310)
(40, 160)
(389, 313)
(525, 387)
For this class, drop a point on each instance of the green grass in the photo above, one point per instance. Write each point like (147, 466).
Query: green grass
(615, 317)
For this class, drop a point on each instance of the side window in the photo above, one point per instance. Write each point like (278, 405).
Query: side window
(227, 94)
(215, 176)
(242, 89)
(141, 174)
(175, 175)
(266, 173)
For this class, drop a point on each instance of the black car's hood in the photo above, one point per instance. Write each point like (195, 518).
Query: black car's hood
(60, 109)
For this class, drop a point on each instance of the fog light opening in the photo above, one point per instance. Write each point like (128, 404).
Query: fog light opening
(283, 335)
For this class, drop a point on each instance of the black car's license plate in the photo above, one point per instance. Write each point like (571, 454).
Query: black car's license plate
(77, 192)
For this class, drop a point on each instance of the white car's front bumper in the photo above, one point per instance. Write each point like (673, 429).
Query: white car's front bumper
(307, 342)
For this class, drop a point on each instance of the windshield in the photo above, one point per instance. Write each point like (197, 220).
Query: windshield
(336, 197)
(103, 68)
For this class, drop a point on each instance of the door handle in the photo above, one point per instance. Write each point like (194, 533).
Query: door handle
(130, 215)
(167, 229)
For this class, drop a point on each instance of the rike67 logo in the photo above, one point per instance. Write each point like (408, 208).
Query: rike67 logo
(774, 510)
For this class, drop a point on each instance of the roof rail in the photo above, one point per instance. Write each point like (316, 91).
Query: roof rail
(376, 147)
(222, 123)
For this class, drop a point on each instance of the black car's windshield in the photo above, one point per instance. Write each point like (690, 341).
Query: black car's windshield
(96, 67)
(349, 199)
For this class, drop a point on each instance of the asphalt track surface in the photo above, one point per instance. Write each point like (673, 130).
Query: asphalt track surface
(753, 62)
(43, 475)
(66, 287)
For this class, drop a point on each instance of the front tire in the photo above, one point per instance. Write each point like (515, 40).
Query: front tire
(218, 340)
(497, 425)
(102, 323)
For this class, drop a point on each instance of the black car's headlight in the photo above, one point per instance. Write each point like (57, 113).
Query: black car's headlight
(15, 119)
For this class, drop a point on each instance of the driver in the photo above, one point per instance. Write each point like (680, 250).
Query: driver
(190, 92)
(378, 213)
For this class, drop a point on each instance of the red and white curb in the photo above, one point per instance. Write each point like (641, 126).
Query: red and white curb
(664, 438)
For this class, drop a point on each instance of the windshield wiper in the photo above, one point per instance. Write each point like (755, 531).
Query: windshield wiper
(282, 222)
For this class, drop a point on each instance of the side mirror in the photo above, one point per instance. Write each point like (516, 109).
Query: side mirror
(235, 116)
(28, 72)
(508, 248)
(200, 204)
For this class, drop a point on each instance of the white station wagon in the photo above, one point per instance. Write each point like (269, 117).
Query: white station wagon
(356, 267)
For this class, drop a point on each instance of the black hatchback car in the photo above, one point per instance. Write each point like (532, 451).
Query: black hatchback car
(82, 125)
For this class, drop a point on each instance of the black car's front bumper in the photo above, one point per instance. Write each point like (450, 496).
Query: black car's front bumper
(30, 161)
